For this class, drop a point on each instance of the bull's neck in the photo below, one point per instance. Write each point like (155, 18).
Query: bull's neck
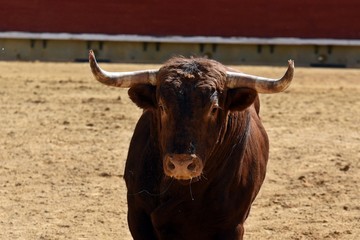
(232, 141)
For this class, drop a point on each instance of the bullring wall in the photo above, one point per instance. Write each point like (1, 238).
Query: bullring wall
(314, 33)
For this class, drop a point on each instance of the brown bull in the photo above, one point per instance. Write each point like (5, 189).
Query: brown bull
(198, 155)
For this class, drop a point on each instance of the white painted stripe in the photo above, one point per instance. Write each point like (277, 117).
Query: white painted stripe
(180, 39)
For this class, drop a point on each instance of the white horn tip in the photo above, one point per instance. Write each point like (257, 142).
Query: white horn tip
(291, 63)
(91, 55)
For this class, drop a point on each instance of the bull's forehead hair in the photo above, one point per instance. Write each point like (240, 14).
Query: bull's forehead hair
(196, 69)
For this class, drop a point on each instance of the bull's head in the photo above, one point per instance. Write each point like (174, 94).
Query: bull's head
(191, 99)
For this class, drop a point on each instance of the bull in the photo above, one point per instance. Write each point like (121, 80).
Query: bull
(198, 155)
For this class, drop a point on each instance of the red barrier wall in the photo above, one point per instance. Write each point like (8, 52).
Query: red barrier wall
(338, 19)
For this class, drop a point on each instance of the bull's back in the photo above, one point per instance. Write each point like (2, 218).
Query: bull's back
(256, 153)
(138, 144)
(143, 167)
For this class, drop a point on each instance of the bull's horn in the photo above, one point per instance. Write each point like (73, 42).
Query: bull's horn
(121, 79)
(261, 84)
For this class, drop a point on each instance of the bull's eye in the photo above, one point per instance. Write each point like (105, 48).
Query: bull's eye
(214, 111)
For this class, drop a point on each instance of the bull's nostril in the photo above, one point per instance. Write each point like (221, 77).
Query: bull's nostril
(171, 166)
(191, 166)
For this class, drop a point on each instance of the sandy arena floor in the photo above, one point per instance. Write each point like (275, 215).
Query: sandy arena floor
(64, 140)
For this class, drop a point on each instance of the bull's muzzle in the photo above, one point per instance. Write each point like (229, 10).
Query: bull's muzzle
(183, 166)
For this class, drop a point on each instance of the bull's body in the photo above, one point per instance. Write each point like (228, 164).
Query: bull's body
(214, 207)
(198, 155)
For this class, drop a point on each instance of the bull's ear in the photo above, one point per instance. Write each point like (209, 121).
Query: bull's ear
(143, 95)
(239, 99)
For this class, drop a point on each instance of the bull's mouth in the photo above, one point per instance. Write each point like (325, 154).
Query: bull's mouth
(186, 178)
(187, 182)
